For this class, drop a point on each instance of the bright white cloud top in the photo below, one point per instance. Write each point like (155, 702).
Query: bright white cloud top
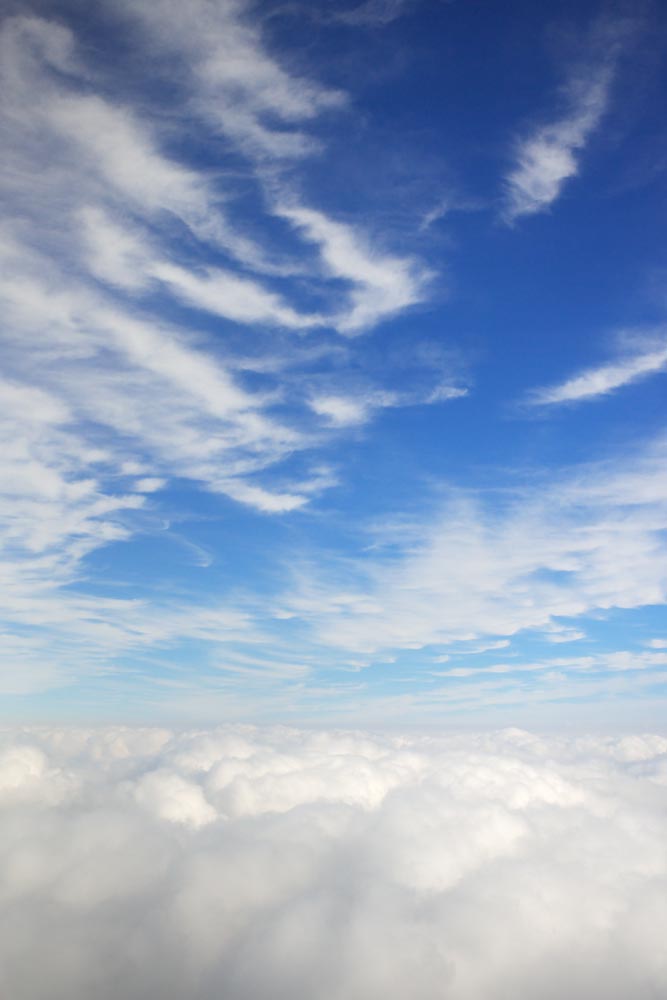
(258, 864)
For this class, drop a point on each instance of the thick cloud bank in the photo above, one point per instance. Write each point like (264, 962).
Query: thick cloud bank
(243, 863)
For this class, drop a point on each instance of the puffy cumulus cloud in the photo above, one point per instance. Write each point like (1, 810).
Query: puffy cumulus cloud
(275, 863)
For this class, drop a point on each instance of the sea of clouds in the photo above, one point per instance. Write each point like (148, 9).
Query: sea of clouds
(244, 863)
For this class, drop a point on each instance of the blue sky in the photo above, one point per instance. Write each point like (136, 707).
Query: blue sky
(334, 354)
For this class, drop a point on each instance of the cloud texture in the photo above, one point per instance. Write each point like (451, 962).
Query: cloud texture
(547, 157)
(251, 863)
(597, 382)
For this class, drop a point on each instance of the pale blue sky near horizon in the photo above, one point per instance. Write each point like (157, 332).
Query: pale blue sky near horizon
(334, 354)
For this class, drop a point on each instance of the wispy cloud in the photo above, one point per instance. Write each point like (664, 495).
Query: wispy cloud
(237, 86)
(101, 168)
(128, 289)
(549, 156)
(382, 285)
(348, 411)
(589, 540)
(596, 382)
(373, 13)
(620, 661)
(182, 318)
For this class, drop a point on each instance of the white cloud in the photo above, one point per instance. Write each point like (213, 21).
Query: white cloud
(596, 382)
(339, 410)
(226, 294)
(99, 394)
(361, 403)
(149, 485)
(96, 169)
(590, 539)
(115, 254)
(148, 863)
(147, 354)
(562, 633)
(61, 500)
(35, 405)
(271, 502)
(549, 156)
(443, 392)
(119, 145)
(484, 647)
(546, 159)
(382, 285)
(237, 85)
(617, 662)
(348, 411)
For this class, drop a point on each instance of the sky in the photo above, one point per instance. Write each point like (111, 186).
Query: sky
(334, 346)
(333, 500)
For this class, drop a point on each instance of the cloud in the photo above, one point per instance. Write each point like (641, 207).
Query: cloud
(151, 304)
(373, 13)
(237, 86)
(443, 392)
(595, 382)
(590, 539)
(557, 633)
(149, 863)
(340, 410)
(616, 662)
(546, 159)
(344, 411)
(549, 156)
(63, 498)
(382, 285)
(484, 648)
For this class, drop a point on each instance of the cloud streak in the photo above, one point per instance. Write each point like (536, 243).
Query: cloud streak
(548, 157)
(383, 285)
(148, 335)
(594, 383)
(590, 540)
(237, 86)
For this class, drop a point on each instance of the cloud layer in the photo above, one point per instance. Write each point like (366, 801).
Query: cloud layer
(248, 864)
